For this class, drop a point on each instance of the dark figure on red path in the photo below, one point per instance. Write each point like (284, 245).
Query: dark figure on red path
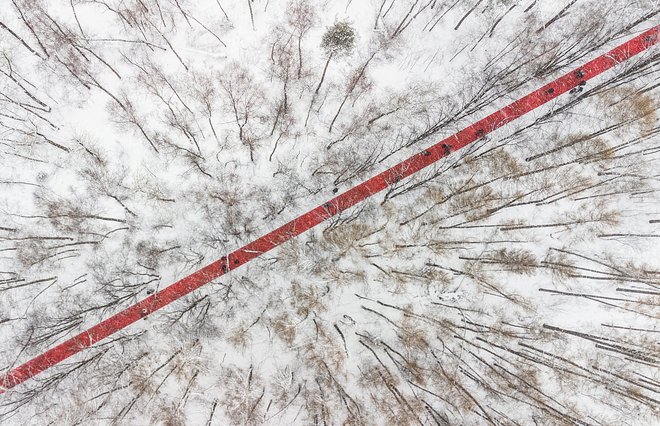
(579, 88)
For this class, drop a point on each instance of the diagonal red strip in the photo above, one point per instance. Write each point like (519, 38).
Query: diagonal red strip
(331, 208)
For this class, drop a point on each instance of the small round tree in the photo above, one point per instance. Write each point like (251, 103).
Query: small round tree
(339, 38)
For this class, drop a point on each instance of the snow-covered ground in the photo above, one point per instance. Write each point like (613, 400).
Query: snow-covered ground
(515, 282)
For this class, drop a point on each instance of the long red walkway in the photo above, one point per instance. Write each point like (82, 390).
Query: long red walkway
(336, 205)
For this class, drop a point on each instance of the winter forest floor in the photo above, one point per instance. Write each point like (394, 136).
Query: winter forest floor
(514, 282)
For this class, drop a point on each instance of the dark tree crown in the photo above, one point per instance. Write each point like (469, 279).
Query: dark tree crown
(338, 38)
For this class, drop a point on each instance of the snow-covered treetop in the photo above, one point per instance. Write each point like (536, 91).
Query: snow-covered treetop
(339, 38)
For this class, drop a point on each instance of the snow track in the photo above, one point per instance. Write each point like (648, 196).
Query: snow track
(329, 209)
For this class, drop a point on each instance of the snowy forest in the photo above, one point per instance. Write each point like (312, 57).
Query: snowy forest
(514, 282)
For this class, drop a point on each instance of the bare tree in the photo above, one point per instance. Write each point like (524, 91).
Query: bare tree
(244, 98)
(301, 17)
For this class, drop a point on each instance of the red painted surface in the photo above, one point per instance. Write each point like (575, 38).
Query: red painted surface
(331, 208)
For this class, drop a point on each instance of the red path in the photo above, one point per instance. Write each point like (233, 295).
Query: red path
(336, 205)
